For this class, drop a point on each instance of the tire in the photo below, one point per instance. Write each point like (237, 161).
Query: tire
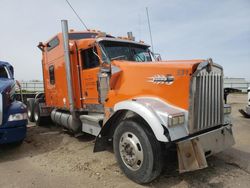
(30, 109)
(133, 139)
(40, 121)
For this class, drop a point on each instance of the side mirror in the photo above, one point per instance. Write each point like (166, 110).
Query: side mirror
(20, 90)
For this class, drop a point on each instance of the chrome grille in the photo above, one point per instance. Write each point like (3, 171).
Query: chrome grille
(207, 98)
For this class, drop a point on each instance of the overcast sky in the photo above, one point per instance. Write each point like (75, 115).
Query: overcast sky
(182, 29)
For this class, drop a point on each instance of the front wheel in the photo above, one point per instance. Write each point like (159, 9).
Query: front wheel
(137, 151)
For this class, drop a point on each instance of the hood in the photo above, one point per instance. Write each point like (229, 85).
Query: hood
(167, 80)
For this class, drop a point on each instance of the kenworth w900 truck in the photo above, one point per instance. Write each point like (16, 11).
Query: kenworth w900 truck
(115, 89)
(13, 113)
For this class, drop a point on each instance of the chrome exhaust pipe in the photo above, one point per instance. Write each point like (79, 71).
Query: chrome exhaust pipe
(67, 66)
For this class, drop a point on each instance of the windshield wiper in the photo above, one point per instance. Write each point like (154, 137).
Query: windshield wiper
(118, 57)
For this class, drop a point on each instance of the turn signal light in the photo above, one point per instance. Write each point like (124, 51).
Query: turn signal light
(176, 120)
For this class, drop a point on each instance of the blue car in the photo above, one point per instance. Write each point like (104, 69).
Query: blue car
(13, 113)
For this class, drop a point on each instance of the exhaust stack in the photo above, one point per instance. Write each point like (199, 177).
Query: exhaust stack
(130, 36)
(67, 65)
(70, 121)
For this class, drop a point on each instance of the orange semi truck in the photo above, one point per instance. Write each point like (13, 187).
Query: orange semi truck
(115, 89)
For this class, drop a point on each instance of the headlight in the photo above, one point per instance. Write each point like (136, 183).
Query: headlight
(227, 109)
(17, 117)
(176, 120)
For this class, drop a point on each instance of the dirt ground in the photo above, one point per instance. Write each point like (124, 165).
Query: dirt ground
(50, 157)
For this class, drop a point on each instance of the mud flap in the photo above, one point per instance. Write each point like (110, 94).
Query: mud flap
(190, 155)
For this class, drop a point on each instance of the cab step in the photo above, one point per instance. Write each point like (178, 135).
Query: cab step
(91, 123)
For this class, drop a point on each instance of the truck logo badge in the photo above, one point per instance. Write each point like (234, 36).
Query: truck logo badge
(161, 79)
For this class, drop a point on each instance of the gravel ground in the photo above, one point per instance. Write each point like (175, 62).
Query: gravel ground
(50, 157)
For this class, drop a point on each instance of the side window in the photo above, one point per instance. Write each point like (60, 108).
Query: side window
(51, 75)
(3, 72)
(89, 59)
(53, 43)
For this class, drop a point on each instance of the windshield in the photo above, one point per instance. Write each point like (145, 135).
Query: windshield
(126, 51)
(3, 72)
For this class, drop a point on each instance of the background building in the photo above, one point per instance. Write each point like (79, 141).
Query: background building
(236, 83)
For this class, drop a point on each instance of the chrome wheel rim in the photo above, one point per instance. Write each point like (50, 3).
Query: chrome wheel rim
(131, 151)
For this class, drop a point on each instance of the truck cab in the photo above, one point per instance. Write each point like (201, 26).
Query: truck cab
(13, 115)
(115, 89)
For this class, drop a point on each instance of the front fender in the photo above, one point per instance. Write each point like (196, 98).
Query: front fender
(147, 114)
(155, 112)
(14, 108)
(17, 107)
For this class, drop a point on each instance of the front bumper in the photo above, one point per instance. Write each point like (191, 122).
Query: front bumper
(13, 132)
(216, 141)
(192, 152)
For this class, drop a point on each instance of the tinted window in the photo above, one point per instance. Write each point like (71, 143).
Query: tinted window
(3, 72)
(126, 51)
(89, 59)
(52, 44)
(51, 75)
(77, 36)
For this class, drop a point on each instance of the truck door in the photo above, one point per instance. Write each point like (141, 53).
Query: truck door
(90, 67)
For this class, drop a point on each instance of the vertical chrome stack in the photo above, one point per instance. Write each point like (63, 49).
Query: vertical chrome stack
(68, 66)
(207, 109)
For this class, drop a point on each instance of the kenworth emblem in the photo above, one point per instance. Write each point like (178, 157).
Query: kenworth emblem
(161, 79)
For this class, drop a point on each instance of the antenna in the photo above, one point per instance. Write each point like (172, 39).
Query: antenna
(149, 27)
(77, 15)
(140, 24)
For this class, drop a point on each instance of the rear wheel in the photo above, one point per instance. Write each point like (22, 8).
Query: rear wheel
(137, 151)
(30, 109)
(39, 120)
